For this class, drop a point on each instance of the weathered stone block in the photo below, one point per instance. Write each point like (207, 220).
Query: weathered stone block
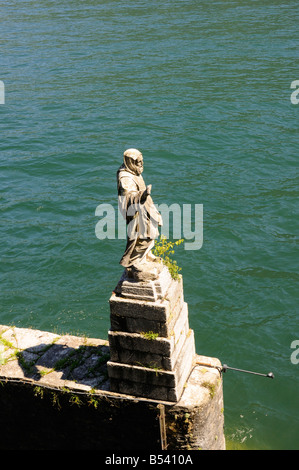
(128, 378)
(137, 325)
(140, 389)
(135, 316)
(133, 308)
(137, 342)
(139, 374)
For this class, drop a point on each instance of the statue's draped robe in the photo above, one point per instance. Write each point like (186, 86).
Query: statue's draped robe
(142, 218)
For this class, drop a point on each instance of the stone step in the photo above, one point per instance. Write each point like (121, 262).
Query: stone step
(154, 383)
(149, 290)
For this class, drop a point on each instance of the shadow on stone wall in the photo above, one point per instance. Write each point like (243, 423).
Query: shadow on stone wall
(54, 363)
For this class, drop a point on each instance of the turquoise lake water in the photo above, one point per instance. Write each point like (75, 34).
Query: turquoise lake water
(203, 90)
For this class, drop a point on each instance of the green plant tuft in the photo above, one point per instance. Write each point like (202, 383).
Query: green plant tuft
(163, 248)
(150, 335)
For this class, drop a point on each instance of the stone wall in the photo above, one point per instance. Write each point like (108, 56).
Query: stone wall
(55, 394)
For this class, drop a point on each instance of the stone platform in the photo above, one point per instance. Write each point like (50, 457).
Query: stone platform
(152, 348)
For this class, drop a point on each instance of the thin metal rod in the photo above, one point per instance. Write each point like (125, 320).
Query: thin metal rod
(226, 367)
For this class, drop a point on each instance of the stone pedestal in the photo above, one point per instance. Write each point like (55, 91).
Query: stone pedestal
(152, 349)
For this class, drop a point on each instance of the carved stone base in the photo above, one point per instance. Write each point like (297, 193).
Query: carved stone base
(144, 290)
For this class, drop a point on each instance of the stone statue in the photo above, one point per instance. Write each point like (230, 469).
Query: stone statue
(142, 219)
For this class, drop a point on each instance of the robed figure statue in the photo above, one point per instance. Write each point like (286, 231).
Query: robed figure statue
(142, 219)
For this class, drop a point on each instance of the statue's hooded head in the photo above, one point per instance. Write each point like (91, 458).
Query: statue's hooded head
(133, 161)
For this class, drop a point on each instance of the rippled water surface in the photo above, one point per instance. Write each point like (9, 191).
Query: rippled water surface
(203, 90)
